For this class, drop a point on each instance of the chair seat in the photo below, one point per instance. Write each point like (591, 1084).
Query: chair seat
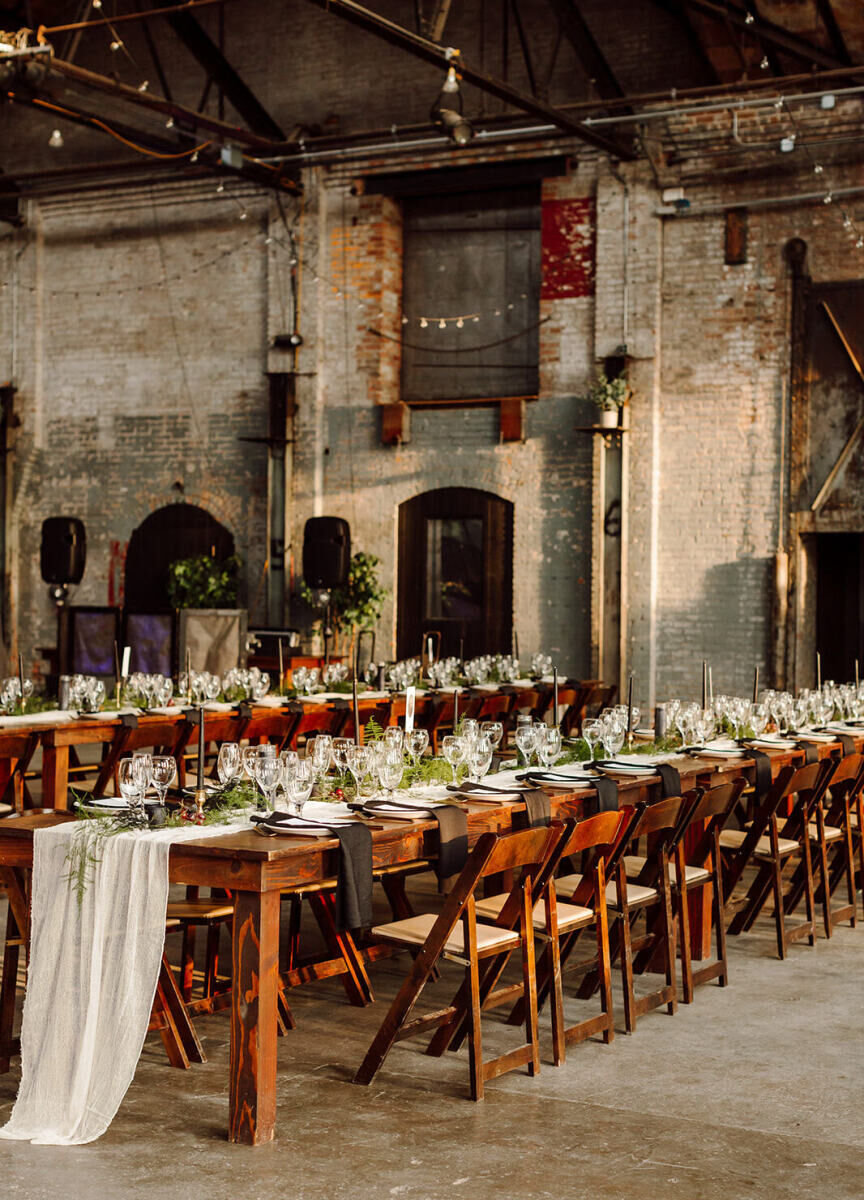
(832, 833)
(570, 916)
(633, 865)
(413, 931)
(566, 885)
(200, 910)
(731, 839)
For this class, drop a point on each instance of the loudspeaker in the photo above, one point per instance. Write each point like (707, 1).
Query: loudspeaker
(326, 552)
(64, 550)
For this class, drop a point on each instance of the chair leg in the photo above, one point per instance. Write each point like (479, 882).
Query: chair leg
(626, 952)
(529, 981)
(402, 1004)
(8, 987)
(669, 941)
(779, 914)
(556, 1000)
(809, 890)
(475, 1044)
(720, 924)
(684, 923)
(605, 968)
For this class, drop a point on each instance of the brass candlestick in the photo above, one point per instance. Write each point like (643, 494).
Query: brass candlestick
(200, 799)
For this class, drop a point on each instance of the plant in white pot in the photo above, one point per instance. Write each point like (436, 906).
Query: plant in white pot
(609, 396)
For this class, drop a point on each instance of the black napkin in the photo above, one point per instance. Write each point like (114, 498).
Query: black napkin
(607, 794)
(811, 751)
(354, 875)
(847, 742)
(538, 810)
(762, 762)
(670, 778)
(452, 833)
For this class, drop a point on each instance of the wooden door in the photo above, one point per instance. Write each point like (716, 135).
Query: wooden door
(455, 572)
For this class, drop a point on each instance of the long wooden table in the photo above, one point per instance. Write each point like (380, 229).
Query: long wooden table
(256, 869)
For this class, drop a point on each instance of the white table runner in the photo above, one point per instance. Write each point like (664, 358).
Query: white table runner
(92, 978)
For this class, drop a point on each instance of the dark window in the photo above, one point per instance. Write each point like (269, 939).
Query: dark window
(455, 572)
(474, 256)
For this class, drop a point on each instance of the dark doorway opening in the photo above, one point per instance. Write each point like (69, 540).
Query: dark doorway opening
(455, 572)
(176, 531)
(839, 599)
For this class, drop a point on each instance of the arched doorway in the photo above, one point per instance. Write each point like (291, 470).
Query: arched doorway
(455, 572)
(176, 531)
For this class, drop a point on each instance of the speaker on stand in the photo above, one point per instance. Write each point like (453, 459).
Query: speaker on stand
(326, 563)
(62, 555)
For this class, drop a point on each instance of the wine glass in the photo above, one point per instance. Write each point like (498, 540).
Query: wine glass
(228, 763)
(247, 757)
(268, 775)
(613, 737)
(493, 731)
(300, 785)
(453, 749)
(526, 741)
(359, 764)
(549, 746)
(390, 773)
(479, 759)
(164, 770)
(591, 731)
(393, 736)
(416, 742)
(142, 770)
(126, 777)
(341, 746)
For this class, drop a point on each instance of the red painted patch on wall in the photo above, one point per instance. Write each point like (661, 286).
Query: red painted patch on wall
(568, 232)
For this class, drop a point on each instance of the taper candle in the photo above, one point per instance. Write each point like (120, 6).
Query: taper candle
(281, 665)
(455, 707)
(755, 685)
(630, 704)
(818, 671)
(555, 696)
(200, 747)
(356, 705)
(704, 684)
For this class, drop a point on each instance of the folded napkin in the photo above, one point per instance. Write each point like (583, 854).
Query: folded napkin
(607, 794)
(482, 793)
(762, 763)
(452, 832)
(538, 810)
(354, 875)
(670, 780)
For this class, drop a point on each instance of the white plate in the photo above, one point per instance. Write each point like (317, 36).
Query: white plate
(314, 831)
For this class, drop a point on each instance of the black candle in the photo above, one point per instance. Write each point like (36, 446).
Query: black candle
(281, 666)
(200, 747)
(21, 677)
(554, 695)
(704, 683)
(356, 710)
(455, 707)
(755, 684)
(710, 687)
(630, 704)
(856, 672)
(117, 663)
(818, 671)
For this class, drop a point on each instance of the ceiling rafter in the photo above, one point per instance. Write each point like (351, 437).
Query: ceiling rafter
(587, 49)
(421, 47)
(676, 9)
(829, 19)
(205, 51)
(767, 32)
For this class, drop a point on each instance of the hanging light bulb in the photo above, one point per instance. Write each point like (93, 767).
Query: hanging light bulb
(169, 124)
(144, 85)
(764, 64)
(442, 324)
(818, 169)
(423, 323)
(446, 112)
(116, 45)
(55, 141)
(460, 323)
(220, 187)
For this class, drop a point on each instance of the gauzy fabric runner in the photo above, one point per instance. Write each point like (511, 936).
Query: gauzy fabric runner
(91, 980)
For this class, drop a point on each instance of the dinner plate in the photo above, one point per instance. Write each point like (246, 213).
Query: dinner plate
(313, 831)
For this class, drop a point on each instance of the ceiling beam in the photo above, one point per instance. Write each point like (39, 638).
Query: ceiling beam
(829, 19)
(205, 51)
(440, 56)
(676, 9)
(767, 32)
(588, 52)
(437, 19)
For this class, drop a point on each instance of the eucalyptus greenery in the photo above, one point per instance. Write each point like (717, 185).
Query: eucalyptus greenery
(607, 393)
(204, 582)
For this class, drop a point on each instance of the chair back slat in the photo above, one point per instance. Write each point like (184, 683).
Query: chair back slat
(526, 848)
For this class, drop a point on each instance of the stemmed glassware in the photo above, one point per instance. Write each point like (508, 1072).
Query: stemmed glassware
(493, 731)
(390, 771)
(526, 741)
(268, 775)
(164, 769)
(453, 748)
(359, 764)
(415, 743)
(126, 778)
(300, 784)
(592, 730)
(479, 758)
(228, 764)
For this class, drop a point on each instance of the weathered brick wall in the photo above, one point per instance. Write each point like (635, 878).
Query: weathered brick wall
(139, 351)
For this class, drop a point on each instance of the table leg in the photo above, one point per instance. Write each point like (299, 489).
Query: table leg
(255, 955)
(55, 777)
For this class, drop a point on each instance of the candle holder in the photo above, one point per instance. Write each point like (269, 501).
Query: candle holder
(200, 798)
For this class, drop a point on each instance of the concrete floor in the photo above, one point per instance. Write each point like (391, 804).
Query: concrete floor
(753, 1092)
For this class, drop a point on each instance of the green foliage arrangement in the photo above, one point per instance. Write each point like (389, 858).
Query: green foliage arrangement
(204, 582)
(607, 393)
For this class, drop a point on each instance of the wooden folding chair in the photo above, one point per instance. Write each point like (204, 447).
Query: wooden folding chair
(663, 825)
(832, 832)
(696, 866)
(769, 847)
(557, 921)
(433, 938)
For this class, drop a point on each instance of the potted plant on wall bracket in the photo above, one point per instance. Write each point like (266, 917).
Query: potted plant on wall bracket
(608, 396)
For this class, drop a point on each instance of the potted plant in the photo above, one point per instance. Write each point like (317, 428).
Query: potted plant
(609, 396)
